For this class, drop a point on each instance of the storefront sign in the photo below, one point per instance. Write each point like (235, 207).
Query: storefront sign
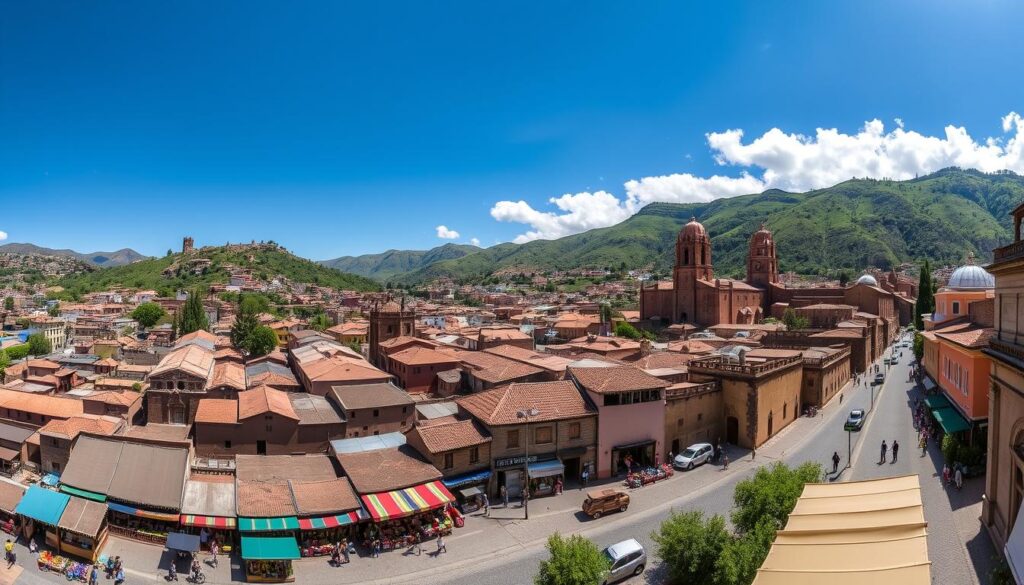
(520, 460)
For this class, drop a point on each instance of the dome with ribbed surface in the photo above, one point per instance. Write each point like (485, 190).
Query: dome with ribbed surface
(693, 230)
(971, 277)
(868, 280)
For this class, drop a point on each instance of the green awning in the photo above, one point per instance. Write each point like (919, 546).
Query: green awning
(936, 401)
(269, 548)
(268, 524)
(83, 493)
(950, 420)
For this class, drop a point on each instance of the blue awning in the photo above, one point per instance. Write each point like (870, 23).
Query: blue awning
(51, 479)
(546, 468)
(42, 505)
(467, 478)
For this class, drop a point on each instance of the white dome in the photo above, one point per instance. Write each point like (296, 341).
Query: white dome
(971, 277)
(868, 280)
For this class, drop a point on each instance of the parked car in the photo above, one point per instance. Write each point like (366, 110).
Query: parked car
(879, 378)
(606, 500)
(627, 559)
(855, 421)
(693, 456)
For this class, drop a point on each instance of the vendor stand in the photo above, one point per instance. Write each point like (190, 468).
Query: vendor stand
(83, 528)
(545, 476)
(44, 508)
(399, 516)
(10, 495)
(208, 509)
(319, 534)
(145, 525)
(268, 559)
(469, 488)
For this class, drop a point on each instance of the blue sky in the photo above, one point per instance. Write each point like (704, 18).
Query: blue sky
(342, 128)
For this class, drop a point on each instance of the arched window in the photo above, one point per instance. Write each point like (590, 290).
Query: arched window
(686, 256)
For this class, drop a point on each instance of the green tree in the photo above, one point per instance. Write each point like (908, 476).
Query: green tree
(192, 316)
(147, 314)
(793, 321)
(743, 556)
(246, 322)
(355, 346)
(262, 341)
(137, 387)
(690, 545)
(17, 352)
(38, 344)
(606, 313)
(9, 304)
(5, 361)
(54, 310)
(573, 561)
(319, 322)
(925, 296)
(844, 278)
(771, 495)
(918, 346)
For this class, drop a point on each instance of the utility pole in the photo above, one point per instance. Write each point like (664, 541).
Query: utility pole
(849, 448)
(526, 414)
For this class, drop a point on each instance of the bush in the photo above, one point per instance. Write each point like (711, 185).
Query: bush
(574, 561)
(970, 455)
(691, 545)
(17, 352)
(148, 314)
(38, 344)
(950, 448)
(771, 494)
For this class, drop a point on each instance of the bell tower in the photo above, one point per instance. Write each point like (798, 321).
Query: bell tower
(693, 263)
(762, 264)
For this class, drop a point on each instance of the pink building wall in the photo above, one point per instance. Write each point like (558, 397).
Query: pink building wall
(623, 425)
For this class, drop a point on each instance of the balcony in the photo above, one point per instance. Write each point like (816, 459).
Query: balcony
(1011, 252)
(692, 391)
(1010, 350)
(723, 365)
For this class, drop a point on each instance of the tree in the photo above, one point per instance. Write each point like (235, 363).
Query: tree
(690, 546)
(38, 344)
(137, 387)
(606, 313)
(54, 310)
(246, 322)
(918, 346)
(17, 352)
(147, 314)
(844, 278)
(925, 296)
(9, 304)
(4, 362)
(262, 341)
(793, 321)
(574, 561)
(771, 495)
(319, 322)
(355, 346)
(743, 556)
(192, 316)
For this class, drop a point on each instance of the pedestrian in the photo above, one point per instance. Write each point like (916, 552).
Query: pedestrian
(214, 549)
(33, 546)
(725, 461)
(895, 450)
(835, 461)
(958, 477)
(840, 398)
(94, 574)
(923, 444)
(196, 569)
(119, 577)
(558, 486)
(376, 548)
(487, 505)
(117, 564)
(586, 476)
(945, 473)
(417, 545)
(110, 567)
(440, 545)
(8, 549)
(504, 491)
(172, 571)
(12, 558)
(344, 549)
(885, 448)
(753, 453)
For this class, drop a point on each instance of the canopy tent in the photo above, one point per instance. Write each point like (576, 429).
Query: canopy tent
(322, 522)
(183, 542)
(267, 524)
(83, 493)
(408, 501)
(546, 468)
(51, 479)
(84, 517)
(208, 521)
(935, 401)
(846, 533)
(132, 511)
(467, 478)
(269, 548)
(42, 505)
(950, 420)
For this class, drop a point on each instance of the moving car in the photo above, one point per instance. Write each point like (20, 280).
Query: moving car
(855, 421)
(694, 455)
(605, 500)
(627, 559)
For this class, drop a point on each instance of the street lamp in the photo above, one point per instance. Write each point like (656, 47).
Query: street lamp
(526, 414)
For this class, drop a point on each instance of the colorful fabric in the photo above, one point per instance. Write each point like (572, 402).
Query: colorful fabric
(408, 501)
(142, 513)
(209, 521)
(332, 521)
(267, 524)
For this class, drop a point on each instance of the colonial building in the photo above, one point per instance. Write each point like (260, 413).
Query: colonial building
(388, 321)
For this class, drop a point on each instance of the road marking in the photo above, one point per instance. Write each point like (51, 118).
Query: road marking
(466, 534)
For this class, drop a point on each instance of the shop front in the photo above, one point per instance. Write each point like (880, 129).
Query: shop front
(468, 489)
(10, 495)
(210, 529)
(40, 510)
(208, 511)
(319, 534)
(546, 477)
(268, 559)
(82, 529)
(140, 524)
(545, 470)
(633, 457)
(401, 516)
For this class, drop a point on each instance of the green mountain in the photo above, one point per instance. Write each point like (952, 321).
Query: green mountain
(118, 258)
(850, 226)
(388, 264)
(178, 271)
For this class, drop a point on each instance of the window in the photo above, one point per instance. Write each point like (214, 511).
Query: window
(700, 416)
(679, 423)
(474, 454)
(785, 409)
(270, 428)
(227, 444)
(376, 412)
(956, 307)
(542, 435)
(351, 414)
(574, 430)
(449, 460)
(513, 439)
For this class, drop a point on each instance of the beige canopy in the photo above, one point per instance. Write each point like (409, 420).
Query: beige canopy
(847, 532)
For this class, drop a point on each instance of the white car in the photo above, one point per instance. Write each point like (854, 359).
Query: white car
(626, 559)
(694, 455)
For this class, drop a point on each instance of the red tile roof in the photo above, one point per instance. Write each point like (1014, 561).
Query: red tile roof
(553, 400)
(263, 399)
(217, 410)
(438, 438)
(616, 379)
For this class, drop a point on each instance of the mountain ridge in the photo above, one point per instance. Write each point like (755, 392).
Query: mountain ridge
(389, 263)
(117, 258)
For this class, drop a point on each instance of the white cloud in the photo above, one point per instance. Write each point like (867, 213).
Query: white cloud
(474, 241)
(776, 159)
(3, 236)
(446, 234)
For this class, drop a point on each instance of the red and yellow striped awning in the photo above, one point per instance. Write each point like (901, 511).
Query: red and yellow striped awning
(209, 521)
(408, 501)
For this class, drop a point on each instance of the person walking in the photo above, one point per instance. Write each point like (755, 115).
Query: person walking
(725, 461)
(119, 577)
(344, 549)
(958, 476)
(487, 505)
(945, 473)
(504, 493)
(923, 444)
(586, 476)
(214, 549)
(835, 461)
(885, 448)
(94, 574)
(895, 450)
(8, 549)
(440, 545)
(172, 570)
(376, 548)
(417, 545)
(196, 569)
(753, 453)
(110, 567)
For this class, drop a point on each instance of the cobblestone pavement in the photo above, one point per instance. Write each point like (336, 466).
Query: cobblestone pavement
(504, 549)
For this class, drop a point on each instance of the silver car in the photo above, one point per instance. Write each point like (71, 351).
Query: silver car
(694, 455)
(627, 558)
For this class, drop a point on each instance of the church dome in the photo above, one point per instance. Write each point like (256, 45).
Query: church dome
(391, 307)
(761, 237)
(868, 280)
(971, 277)
(693, 230)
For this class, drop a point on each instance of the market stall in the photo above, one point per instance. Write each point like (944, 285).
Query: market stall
(319, 534)
(648, 475)
(469, 489)
(545, 477)
(268, 559)
(329, 512)
(399, 516)
(83, 528)
(145, 525)
(208, 510)
(42, 508)
(10, 495)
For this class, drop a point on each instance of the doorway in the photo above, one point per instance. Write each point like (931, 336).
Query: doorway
(732, 430)
(261, 447)
(675, 446)
(572, 469)
(770, 427)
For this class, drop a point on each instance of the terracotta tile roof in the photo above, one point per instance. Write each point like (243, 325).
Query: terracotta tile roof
(420, 356)
(264, 500)
(386, 469)
(343, 369)
(196, 336)
(43, 364)
(839, 333)
(313, 409)
(439, 438)
(616, 379)
(663, 359)
(227, 353)
(402, 340)
(332, 496)
(51, 406)
(505, 333)
(70, 428)
(191, 359)
(111, 362)
(263, 399)
(553, 400)
(281, 468)
(358, 396)
(350, 329)
(228, 374)
(548, 362)
(492, 368)
(217, 410)
(968, 335)
(115, 398)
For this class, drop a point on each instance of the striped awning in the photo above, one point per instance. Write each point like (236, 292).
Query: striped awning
(208, 521)
(267, 524)
(408, 501)
(322, 522)
(142, 513)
